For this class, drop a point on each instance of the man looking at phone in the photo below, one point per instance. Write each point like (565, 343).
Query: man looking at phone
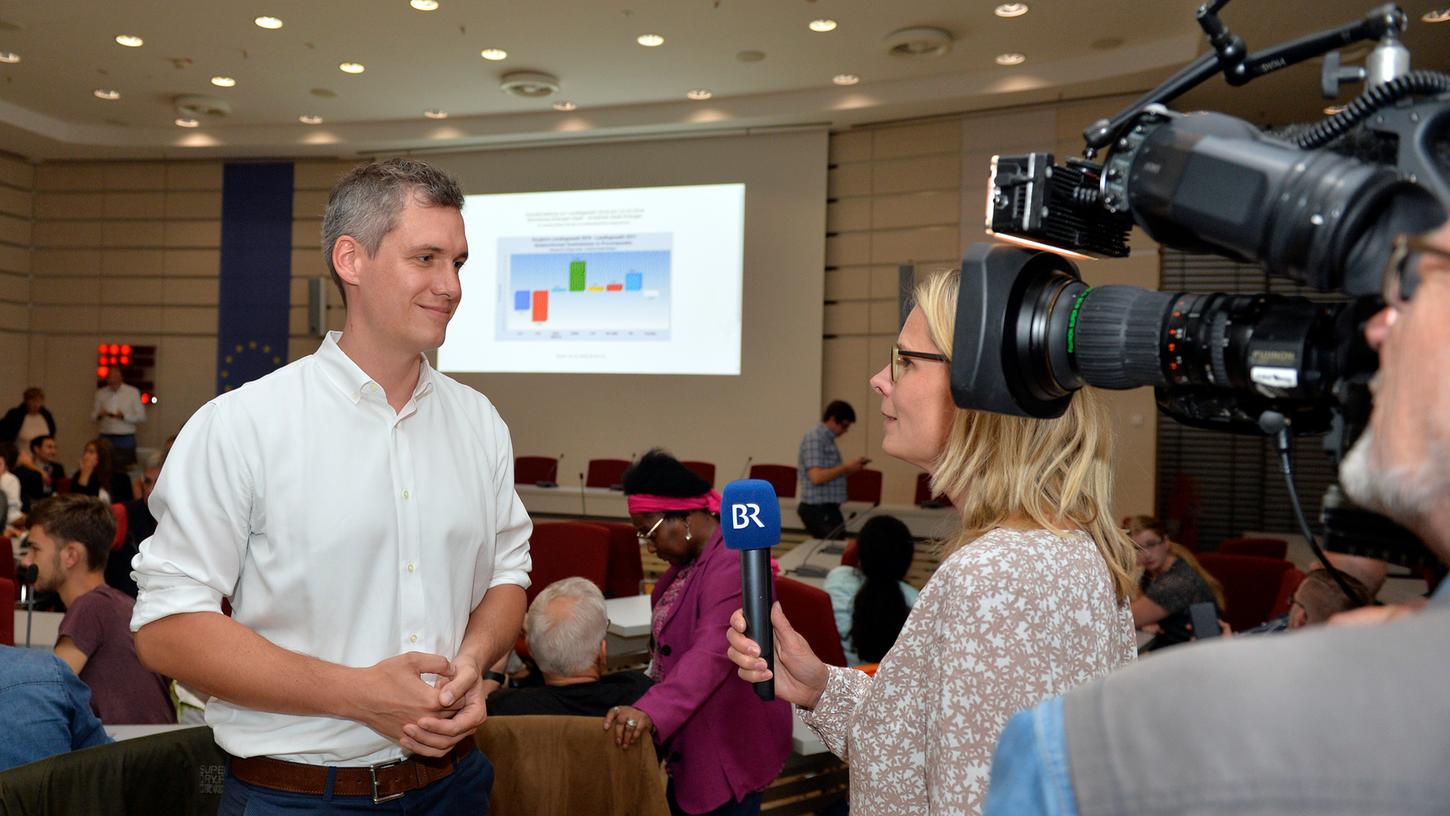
(823, 473)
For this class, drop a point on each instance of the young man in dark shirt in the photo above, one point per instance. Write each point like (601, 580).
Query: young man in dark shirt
(70, 542)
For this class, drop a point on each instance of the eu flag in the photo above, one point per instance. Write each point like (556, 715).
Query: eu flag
(256, 272)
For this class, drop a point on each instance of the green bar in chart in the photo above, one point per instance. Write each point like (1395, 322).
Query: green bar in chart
(576, 276)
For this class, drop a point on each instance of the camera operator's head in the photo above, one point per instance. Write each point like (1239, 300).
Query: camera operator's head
(1401, 464)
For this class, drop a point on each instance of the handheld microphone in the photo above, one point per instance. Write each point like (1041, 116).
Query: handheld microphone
(552, 481)
(745, 471)
(750, 516)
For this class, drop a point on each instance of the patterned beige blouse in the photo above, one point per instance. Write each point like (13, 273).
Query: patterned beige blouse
(1008, 620)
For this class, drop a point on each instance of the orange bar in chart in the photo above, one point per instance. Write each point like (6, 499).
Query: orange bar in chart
(541, 306)
(614, 287)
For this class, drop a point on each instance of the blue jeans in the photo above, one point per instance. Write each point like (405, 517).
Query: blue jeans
(465, 791)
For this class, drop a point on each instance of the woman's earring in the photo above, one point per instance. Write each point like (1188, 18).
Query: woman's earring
(687, 531)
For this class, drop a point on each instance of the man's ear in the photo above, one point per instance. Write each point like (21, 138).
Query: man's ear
(73, 553)
(347, 258)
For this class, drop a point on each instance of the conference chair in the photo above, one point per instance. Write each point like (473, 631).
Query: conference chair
(1251, 585)
(7, 570)
(864, 486)
(781, 477)
(533, 469)
(119, 511)
(606, 472)
(1262, 547)
(1293, 577)
(563, 549)
(625, 568)
(810, 613)
(705, 470)
(924, 498)
(10, 594)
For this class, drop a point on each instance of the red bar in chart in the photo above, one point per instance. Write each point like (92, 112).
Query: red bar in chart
(614, 287)
(541, 306)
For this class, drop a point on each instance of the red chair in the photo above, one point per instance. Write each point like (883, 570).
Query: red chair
(851, 556)
(625, 568)
(7, 617)
(564, 549)
(809, 610)
(864, 486)
(62, 485)
(606, 472)
(1251, 586)
(1262, 547)
(7, 570)
(1287, 587)
(704, 470)
(533, 469)
(119, 511)
(924, 498)
(781, 477)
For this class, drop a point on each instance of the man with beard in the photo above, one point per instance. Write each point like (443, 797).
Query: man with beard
(1345, 719)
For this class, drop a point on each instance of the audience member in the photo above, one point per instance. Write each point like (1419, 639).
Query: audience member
(871, 601)
(45, 707)
(721, 743)
(565, 629)
(1367, 574)
(70, 540)
(99, 476)
(10, 501)
(27, 420)
(1342, 719)
(1172, 581)
(38, 471)
(1033, 598)
(1320, 598)
(140, 525)
(822, 472)
(118, 409)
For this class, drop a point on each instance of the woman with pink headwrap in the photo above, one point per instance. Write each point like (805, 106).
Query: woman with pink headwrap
(722, 745)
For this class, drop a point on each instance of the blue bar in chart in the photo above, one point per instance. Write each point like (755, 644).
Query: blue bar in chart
(594, 287)
(633, 282)
(521, 300)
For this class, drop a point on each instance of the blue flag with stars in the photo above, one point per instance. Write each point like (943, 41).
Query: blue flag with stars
(256, 272)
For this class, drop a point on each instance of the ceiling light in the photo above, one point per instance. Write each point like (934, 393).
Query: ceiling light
(493, 54)
(434, 113)
(129, 40)
(106, 94)
(699, 93)
(424, 5)
(1333, 109)
(1011, 58)
(845, 79)
(352, 67)
(187, 122)
(223, 82)
(823, 25)
(1438, 15)
(9, 57)
(269, 23)
(650, 40)
(1010, 10)
(310, 119)
(565, 106)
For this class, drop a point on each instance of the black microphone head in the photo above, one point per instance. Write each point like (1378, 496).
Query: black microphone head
(28, 574)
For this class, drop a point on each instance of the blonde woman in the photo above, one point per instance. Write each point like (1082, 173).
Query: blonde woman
(1172, 581)
(1032, 601)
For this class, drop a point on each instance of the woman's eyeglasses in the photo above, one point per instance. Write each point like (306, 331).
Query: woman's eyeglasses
(899, 356)
(644, 538)
(1403, 270)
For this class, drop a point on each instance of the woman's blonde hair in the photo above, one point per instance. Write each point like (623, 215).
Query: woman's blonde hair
(1056, 472)
(1137, 524)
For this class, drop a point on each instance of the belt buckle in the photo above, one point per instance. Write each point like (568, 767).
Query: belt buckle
(373, 772)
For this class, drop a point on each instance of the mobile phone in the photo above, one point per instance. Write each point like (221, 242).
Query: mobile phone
(1205, 620)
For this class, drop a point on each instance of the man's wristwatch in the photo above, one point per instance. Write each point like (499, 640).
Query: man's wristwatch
(497, 677)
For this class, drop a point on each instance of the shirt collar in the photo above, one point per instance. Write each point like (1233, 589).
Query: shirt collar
(352, 380)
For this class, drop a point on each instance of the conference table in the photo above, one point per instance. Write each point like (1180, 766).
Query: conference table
(45, 629)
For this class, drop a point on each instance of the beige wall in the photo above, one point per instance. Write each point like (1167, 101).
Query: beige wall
(914, 192)
(17, 183)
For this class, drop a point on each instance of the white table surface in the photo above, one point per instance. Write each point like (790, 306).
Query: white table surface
(45, 629)
(628, 617)
(125, 732)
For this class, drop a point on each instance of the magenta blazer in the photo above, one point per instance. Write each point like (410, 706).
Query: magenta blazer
(720, 741)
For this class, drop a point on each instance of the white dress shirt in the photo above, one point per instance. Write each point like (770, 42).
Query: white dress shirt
(9, 499)
(338, 528)
(125, 399)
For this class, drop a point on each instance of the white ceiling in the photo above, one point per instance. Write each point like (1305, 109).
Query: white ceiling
(417, 60)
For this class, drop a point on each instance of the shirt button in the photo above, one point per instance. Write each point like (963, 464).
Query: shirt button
(407, 494)
(412, 638)
(410, 566)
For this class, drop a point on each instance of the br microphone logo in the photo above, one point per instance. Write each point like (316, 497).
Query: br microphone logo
(743, 515)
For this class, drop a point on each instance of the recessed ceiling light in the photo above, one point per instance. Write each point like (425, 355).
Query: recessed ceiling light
(9, 57)
(187, 122)
(223, 82)
(823, 24)
(565, 106)
(269, 23)
(309, 119)
(699, 93)
(424, 5)
(1333, 109)
(1010, 10)
(845, 79)
(106, 94)
(352, 67)
(434, 113)
(650, 40)
(129, 40)
(1011, 58)
(494, 54)
(1438, 15)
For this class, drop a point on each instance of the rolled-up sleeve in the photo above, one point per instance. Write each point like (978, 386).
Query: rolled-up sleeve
(202, 504)
(511, 561)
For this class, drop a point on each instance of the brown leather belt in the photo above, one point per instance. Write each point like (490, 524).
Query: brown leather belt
(384, 782)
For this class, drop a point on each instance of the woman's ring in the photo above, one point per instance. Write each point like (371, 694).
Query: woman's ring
(630, 723)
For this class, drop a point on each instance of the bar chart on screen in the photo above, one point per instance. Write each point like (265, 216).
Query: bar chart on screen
(585, 287)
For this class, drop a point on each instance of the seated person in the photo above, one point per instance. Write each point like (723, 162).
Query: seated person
(565, 630)
(10, 512)
(1172, 581)
(871, 601)
(37, 471)
(70, 541)
(140, 525)
(45, 707)
(98, 476)
(1365, 577)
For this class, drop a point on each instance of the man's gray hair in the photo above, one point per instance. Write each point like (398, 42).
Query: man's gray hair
(366, 201)
(565, 625)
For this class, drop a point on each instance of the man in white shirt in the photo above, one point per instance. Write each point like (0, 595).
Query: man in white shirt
(118, 408)
(358, 509)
